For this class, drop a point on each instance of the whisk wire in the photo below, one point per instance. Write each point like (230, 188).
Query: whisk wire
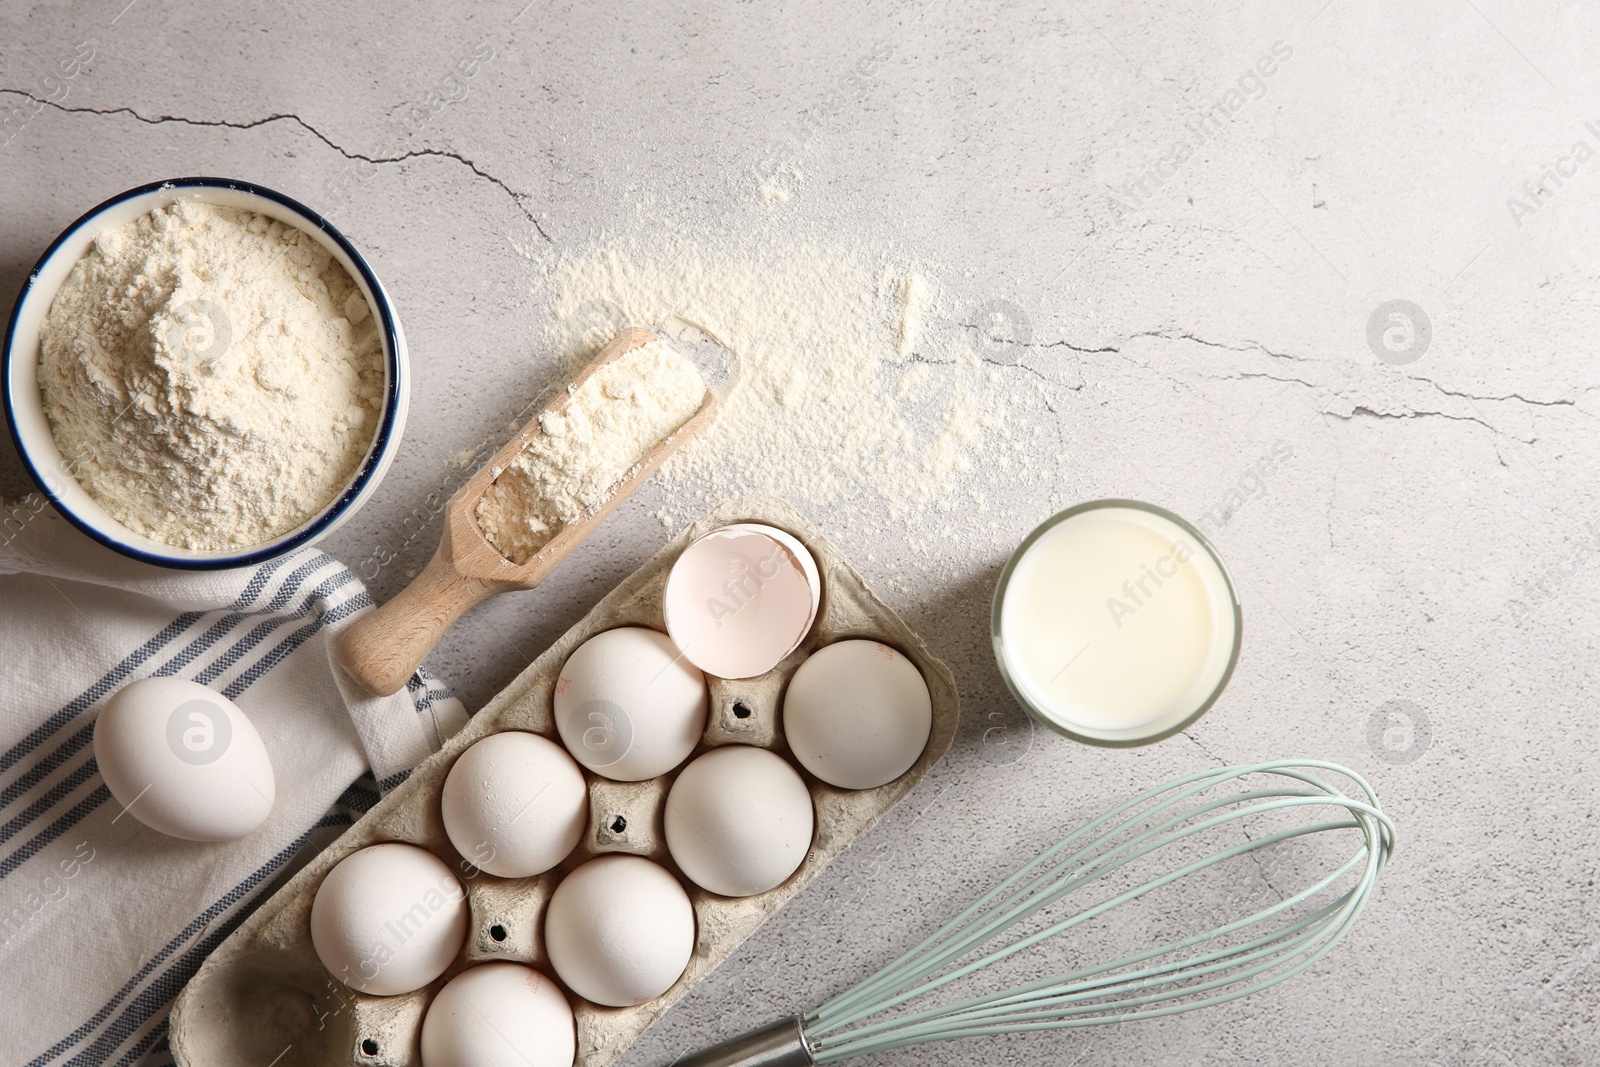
(1026, 992)
(1015, 1023)
(1053, 989)
(913, 969)
(1050, 989)
(1181, 789)
(1132, 987)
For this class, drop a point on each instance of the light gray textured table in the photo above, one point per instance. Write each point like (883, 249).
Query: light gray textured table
(1418, 577)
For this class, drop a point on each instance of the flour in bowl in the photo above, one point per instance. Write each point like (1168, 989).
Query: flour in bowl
(212, 377)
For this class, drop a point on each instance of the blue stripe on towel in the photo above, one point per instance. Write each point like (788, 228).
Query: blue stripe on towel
(395, 779)
(200, 941)
(272, 658)
(47, 800)
(259, 633)
(74, 815)
(358, 797)
(157, 1033)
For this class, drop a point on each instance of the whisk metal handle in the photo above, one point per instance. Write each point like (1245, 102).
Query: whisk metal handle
(781, 1044)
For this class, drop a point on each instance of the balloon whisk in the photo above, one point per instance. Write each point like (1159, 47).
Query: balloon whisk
(1246, 808)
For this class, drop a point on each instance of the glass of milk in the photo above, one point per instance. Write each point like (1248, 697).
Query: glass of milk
(1116, 624)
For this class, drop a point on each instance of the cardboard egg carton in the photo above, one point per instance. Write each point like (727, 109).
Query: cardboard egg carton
(263, 997)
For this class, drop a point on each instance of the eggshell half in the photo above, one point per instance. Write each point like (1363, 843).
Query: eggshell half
(741, 598)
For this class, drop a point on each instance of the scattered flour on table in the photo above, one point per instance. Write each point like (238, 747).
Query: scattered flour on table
(605, 429)
(914, 300)
(212, 377)
(852, 382)
(774, 188)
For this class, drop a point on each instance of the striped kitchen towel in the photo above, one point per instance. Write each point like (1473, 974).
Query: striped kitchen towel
(103, 920)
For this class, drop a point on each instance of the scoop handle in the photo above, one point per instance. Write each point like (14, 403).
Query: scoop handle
(383, 649)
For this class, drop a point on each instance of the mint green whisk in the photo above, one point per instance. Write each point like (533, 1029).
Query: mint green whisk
(1229, 961)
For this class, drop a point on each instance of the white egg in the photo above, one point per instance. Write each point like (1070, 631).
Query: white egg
(184, 760)
(619, 930)
(389, 919)
(738, 820)
(857, 714)
(628, 705)
(515, 804)
(499, 1014)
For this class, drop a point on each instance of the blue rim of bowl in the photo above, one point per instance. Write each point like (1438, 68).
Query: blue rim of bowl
(380, 437)
(1035, 713)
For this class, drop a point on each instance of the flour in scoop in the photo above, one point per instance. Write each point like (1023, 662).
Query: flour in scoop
(607, 427)
(212, 377)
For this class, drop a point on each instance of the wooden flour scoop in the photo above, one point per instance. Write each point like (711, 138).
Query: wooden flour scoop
(383, 648)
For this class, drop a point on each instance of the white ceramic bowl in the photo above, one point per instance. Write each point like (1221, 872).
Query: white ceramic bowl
(24, 408)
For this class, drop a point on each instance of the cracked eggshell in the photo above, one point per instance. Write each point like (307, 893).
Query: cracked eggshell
(389, 919)
(184, 760)
(619, 930)
(740, 599)
(499, 1014)
(857, 714)
(514, 804)
(628, 705)
(739, 820)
